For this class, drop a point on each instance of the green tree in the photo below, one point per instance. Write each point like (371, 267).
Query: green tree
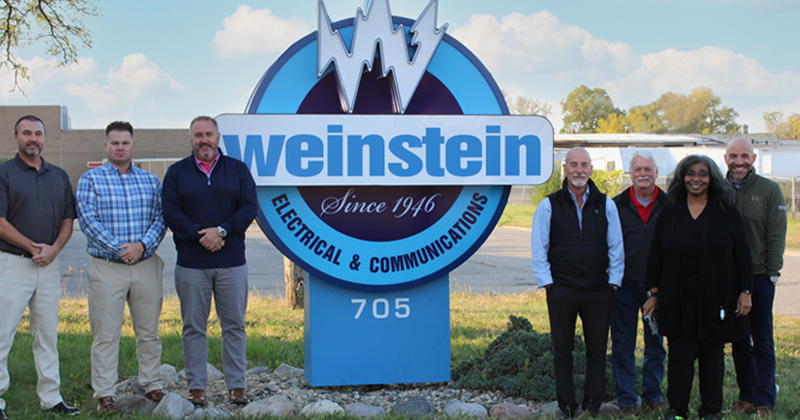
(521, 105)
(553, 184)
(698, 112)
(583, 108)
(55, 23)
(608, 182)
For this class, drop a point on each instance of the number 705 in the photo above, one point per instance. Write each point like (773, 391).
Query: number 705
(380, 308)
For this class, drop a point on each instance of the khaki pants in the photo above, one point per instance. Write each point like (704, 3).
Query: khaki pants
(23, 283)
(111, 285)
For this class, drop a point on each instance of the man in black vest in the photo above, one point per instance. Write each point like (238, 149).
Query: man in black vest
(638, 207)
(578, 258)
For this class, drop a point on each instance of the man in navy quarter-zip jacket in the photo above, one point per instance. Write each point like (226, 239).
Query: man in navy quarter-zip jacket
(209, 202)
(638, 207)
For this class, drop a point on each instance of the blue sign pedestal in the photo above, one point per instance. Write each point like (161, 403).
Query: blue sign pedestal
(359, 338)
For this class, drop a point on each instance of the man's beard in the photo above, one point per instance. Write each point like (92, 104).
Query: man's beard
(578, 181)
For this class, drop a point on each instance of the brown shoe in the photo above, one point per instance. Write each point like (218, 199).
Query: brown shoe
(197, 397)
(627, 412)
(653, 406)
(763, 411)
(742, 406)
(106, 405)
(238, 396)
(155, 395)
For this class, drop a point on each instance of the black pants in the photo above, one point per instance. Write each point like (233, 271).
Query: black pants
(684, 349)
(594, 306)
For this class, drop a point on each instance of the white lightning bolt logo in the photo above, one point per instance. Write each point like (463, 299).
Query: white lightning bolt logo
(374, 33)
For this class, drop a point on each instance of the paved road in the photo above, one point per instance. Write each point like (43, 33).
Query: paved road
(501, 265)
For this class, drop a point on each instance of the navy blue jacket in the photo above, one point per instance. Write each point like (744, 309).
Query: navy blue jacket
(637, 235)
(193, 201)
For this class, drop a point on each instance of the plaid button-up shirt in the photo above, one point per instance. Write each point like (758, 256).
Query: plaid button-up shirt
(116, 208)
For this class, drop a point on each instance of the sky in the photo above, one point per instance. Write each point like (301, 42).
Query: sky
(160, 63)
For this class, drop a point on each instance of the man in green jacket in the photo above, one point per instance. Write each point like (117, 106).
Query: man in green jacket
(763, 209)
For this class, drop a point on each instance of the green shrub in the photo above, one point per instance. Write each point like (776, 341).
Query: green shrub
(520, 363)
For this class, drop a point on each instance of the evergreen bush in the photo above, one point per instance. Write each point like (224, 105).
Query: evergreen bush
(520, 363)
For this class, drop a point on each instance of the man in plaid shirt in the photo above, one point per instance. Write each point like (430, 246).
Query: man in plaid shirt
(119, 210)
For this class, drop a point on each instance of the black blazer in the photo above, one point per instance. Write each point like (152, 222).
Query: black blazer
(726, 272)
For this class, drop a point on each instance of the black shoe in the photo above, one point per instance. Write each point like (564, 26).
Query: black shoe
(63, 408)
(3, 415)
(672, 415)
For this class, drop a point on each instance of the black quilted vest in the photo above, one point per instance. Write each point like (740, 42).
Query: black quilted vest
(578, 257)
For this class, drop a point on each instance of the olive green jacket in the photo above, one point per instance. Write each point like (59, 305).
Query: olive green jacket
(763, 209)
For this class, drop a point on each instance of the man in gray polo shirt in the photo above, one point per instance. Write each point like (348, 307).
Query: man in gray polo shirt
(36, 213)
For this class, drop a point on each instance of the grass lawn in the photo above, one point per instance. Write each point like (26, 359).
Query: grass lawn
(275, 336)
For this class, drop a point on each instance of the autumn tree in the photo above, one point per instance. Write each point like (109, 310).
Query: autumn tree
(775, 122)
(645, 119)
(698, 112)
(583, 108)
(794, 125)
(615, 123)
(56, 24)
(521, 105)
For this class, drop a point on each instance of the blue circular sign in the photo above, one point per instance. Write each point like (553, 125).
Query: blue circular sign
(379, 237)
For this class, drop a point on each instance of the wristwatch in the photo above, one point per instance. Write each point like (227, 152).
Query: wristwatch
(747, 291)
(222, 232)
(774, 279)
(650, 294)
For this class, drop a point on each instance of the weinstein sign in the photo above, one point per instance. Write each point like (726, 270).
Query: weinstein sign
(383, 153)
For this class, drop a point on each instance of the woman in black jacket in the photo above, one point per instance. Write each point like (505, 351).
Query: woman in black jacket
(699, 276)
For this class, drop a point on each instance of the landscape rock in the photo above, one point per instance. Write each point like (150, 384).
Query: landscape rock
(550, 408)
(174, 406)
(134, 404)
(509, 411)
(321, 408)
(364, 410)
(129, 386)
(608, 410)
(211, 413)
(276, 406)
(287, 370)
(415, 407)
(458, 408)
(261, 370)
(169, 374)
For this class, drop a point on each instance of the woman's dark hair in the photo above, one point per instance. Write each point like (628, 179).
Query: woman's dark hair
(718, 188)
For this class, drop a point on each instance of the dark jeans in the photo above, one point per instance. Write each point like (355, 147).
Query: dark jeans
(755, 360)
(594, 307)
(624, 322)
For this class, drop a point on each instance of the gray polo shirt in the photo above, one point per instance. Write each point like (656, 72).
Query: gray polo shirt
(34, 202)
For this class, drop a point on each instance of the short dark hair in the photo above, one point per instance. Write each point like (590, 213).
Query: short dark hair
(718, 188)
(119, 126)
(204, 118)
(33, 118)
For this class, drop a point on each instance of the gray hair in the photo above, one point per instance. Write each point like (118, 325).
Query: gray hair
(644, 154)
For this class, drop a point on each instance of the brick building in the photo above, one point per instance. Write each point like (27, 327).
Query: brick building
(74, 150)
